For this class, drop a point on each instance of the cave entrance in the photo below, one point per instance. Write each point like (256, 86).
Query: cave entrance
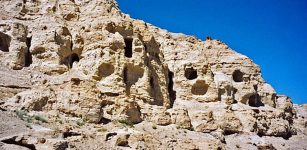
(237, 76)
(155, 91)
(28, 57)
(128, 47)
(190, 73)
(74, 58)
(171, 92)
(255, 101)
(5, 41)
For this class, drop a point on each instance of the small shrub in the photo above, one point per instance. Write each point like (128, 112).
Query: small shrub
(28, 119)
(154, 126)
(21, 114)
(40, 118)
(80, 122)
(28, 126)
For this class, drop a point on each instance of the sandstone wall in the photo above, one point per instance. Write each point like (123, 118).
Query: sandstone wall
(87, 59)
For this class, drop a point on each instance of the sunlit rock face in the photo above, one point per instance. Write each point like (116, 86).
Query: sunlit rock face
(86, 60)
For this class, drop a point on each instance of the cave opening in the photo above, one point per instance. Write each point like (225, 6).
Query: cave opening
(74, 58)
(28, 57)
(128, 47)
(190, 73)
(151, 82)
(155, 91)
(255, 101)
(5, 41)
(171, 92)
(237, 76)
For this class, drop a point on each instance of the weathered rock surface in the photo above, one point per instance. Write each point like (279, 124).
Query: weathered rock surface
(94, 78)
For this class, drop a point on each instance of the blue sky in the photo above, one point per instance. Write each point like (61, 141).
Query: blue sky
(273, 33)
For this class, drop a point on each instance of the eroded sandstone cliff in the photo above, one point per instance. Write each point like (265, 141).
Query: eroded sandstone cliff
(97, 79)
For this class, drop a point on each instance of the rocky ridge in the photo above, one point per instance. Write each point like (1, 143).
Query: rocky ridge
(84, 75)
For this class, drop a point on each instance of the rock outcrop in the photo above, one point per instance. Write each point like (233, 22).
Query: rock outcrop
(93, 73)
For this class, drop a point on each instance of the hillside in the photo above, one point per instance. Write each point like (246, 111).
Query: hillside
(81, 74)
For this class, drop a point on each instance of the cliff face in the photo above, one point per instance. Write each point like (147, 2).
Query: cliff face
(93, 72)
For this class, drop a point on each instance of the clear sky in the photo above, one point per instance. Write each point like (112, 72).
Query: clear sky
(273, 33)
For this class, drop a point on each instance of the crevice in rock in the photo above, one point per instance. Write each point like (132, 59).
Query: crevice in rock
(70, 134)
(110, 135)
(157, 57)
(199, 88)
(265, 147)
(287, 136)
(155, 78)
(190, 73)
(151, 82)
(71, 45)
(15, 87)
(74, 58)
(229, 132)
(104, 120)
(255, 87)
(171, 92)
(260, 133)
(255, 101)
(233, 96)
(128, 47)
(132, 75)
(63, 39)
(75, 81)
(155, 91)
(110, 94)
(5, 41)
(28, 57)
(22, 143)
(69, 60)
(145, 47)
(237, 76)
